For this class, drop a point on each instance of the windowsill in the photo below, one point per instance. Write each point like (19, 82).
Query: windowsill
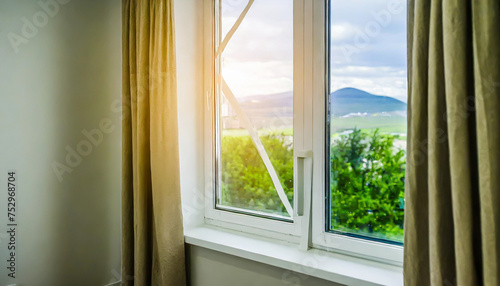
(326, 265)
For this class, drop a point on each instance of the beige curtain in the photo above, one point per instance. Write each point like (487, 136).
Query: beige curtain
(153, 241)
(452, 219)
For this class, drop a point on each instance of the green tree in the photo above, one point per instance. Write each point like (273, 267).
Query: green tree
(367, 180)
(245, 180)
(367, 184)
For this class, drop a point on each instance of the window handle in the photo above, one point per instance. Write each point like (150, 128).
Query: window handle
(304, 173)
(304, 195)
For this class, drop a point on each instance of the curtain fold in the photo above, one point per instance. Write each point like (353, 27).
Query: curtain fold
(152, 234)
(452, 219)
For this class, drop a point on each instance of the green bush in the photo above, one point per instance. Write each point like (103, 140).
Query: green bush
(367, 180)
(367, 185)
(245, 180)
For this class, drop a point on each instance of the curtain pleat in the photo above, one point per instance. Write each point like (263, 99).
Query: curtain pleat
(440, 202)
(486, 41)
(452, 220)
(153, 241)
(415, 199)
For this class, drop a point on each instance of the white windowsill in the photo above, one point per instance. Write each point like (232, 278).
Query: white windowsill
(326, 265)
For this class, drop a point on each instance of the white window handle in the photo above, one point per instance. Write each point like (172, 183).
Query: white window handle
(304, 172)
(304, 195)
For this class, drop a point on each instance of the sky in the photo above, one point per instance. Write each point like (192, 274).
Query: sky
(368, 46)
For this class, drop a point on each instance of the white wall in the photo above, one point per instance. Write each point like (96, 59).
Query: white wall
(189, 45)
(62, 80)
(210, 268)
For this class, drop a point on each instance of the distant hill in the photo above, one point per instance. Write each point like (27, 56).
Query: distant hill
(351, 100)
(268, 105)
(343, 101)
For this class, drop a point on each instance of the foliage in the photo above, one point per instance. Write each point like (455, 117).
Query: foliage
(245, 180)
(367, 185)
(367, 180)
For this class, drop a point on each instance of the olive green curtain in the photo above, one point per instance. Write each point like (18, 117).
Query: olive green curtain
(452, 217)
(152, 234)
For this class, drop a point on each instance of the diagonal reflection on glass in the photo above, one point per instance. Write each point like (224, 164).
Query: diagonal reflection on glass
(245, 182)
(256, 133)
(258, 144)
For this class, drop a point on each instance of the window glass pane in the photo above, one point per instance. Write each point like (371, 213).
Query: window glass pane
(255, 107)
(367, 118)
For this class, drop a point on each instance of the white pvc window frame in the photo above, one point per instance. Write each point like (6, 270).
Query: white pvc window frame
(281, 227)
(308, 224)
(321, 237)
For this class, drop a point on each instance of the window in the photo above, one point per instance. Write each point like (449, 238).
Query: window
(306, 122)
(254, 107)
(367, 117)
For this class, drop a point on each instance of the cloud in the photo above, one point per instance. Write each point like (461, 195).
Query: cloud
(341, 32)
(251, 78)
(259, 57)
(369, 52)
(266, 33)
(386, 81)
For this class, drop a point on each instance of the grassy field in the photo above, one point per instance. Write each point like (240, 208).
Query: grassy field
(244, 132)
(386, 124)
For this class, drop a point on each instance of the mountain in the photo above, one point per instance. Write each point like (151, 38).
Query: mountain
(343, 102)
(351, 100)
(268, 105)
